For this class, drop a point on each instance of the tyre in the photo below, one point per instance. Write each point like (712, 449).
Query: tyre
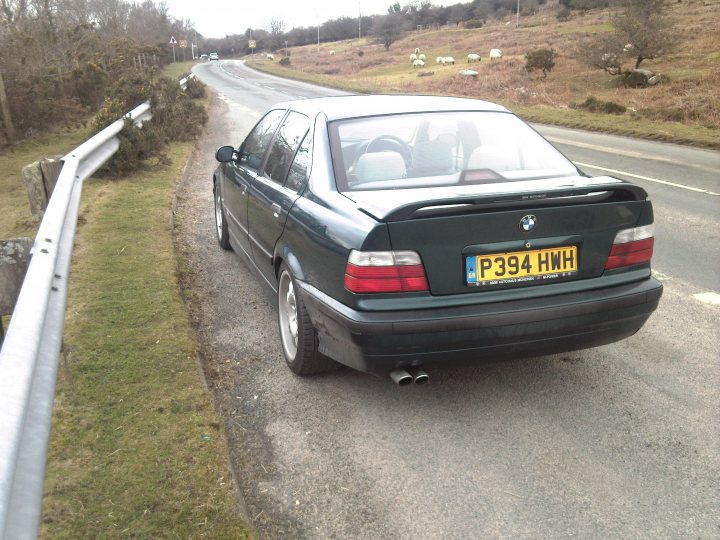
(220, 221)
(297, 334)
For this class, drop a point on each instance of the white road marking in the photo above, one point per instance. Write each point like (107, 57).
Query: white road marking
(301, 97)
(628, 153)
(268, 87)
(708, 298)
(656, 180)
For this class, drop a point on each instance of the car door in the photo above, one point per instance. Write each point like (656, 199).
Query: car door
(240, 175)
(272, 195)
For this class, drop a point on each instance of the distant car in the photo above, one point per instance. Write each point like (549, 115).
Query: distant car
(203, 57)
(214, 56)
(403, 231)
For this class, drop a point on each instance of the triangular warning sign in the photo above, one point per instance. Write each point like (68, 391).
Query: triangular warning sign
(173, 41)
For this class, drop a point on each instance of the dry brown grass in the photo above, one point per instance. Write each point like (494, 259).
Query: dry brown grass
(692, 96)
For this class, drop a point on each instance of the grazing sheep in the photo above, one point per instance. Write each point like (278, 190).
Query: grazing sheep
(448, 60)
(469, 73)
(270, 57)
(421, 57)
(417, 50)
(439, 60)
(418, 63)
(332, 53)
(413, 57)
(472, 57)
(495, 54)
(628, 48)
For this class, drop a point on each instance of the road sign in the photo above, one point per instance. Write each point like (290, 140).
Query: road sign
(173, 41)
(251, 44)
(183, 43)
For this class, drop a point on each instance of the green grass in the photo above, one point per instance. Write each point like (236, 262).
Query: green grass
(176, 70)
(15, 218)
(626, 124)
(136, 449)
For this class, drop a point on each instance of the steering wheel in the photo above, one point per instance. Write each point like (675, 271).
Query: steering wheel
(391, 142)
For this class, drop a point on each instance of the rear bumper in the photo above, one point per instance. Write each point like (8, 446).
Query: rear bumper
(378, 342)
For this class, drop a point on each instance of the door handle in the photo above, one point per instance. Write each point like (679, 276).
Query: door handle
(276, 209)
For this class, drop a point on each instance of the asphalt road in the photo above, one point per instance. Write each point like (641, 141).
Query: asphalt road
(618, 441)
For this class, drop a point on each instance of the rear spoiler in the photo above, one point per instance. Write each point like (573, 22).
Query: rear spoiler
(549, 197)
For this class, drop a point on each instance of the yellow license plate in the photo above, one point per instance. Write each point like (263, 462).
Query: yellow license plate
(521, 266)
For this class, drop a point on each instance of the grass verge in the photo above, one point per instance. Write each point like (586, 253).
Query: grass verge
(177, 69)
(136, 448)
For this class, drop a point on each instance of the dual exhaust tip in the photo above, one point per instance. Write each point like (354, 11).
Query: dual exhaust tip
(403, 377)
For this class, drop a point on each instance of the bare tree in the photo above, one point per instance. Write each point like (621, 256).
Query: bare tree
(388, 28)
(277, 31)
(642, 31)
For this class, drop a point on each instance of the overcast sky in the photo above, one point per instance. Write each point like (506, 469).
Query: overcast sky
(218, 18)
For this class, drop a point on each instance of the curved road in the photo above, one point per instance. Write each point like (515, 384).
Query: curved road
(619, 441)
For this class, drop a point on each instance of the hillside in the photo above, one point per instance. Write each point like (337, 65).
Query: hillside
(685, 109)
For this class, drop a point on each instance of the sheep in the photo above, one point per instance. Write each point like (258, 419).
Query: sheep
(439, 60)
(332, 53)
(421, 57)
(495, 54)
(628, 48)
(447, 60)
(413, 57)
(418, 63)
(472, 57)
(270, 56)
(469, 73)
(417, 50)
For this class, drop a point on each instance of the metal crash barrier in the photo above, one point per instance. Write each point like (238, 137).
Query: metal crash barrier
(31, 350)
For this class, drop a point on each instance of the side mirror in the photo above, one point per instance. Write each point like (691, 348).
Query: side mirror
(225, 154)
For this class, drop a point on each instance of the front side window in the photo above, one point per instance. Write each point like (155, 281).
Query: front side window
(440, 149)
(257, 142)
(286, 143)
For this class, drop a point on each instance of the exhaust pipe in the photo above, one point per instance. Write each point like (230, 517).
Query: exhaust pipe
(419, 376)
(401, 377)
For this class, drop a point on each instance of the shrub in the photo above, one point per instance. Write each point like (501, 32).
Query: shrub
(563, 14)
(592, 104)
(361, 52)
(285, 61)
(542, 59)
(195, 88)
(473, 23)
(175, 117)
(665, 114)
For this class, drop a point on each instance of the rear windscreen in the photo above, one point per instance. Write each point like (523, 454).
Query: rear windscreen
(440, 149)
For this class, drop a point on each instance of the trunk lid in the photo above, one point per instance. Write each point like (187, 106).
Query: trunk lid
(559, 230)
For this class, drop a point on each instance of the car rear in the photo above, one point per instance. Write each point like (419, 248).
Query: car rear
(502, 250)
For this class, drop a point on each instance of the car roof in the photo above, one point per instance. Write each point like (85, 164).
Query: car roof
(343, 107)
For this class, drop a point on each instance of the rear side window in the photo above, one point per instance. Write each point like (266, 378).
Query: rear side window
(298, 169)
(286, 143)
(259, 139)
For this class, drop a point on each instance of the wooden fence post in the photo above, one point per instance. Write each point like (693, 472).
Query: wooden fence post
(9, 128)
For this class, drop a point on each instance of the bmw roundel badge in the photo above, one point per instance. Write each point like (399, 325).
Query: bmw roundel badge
(527, 223)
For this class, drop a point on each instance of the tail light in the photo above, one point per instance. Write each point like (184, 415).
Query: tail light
(632, 246)
(385, 272)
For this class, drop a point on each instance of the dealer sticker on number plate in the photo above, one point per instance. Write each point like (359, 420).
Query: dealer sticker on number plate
(521, 266)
